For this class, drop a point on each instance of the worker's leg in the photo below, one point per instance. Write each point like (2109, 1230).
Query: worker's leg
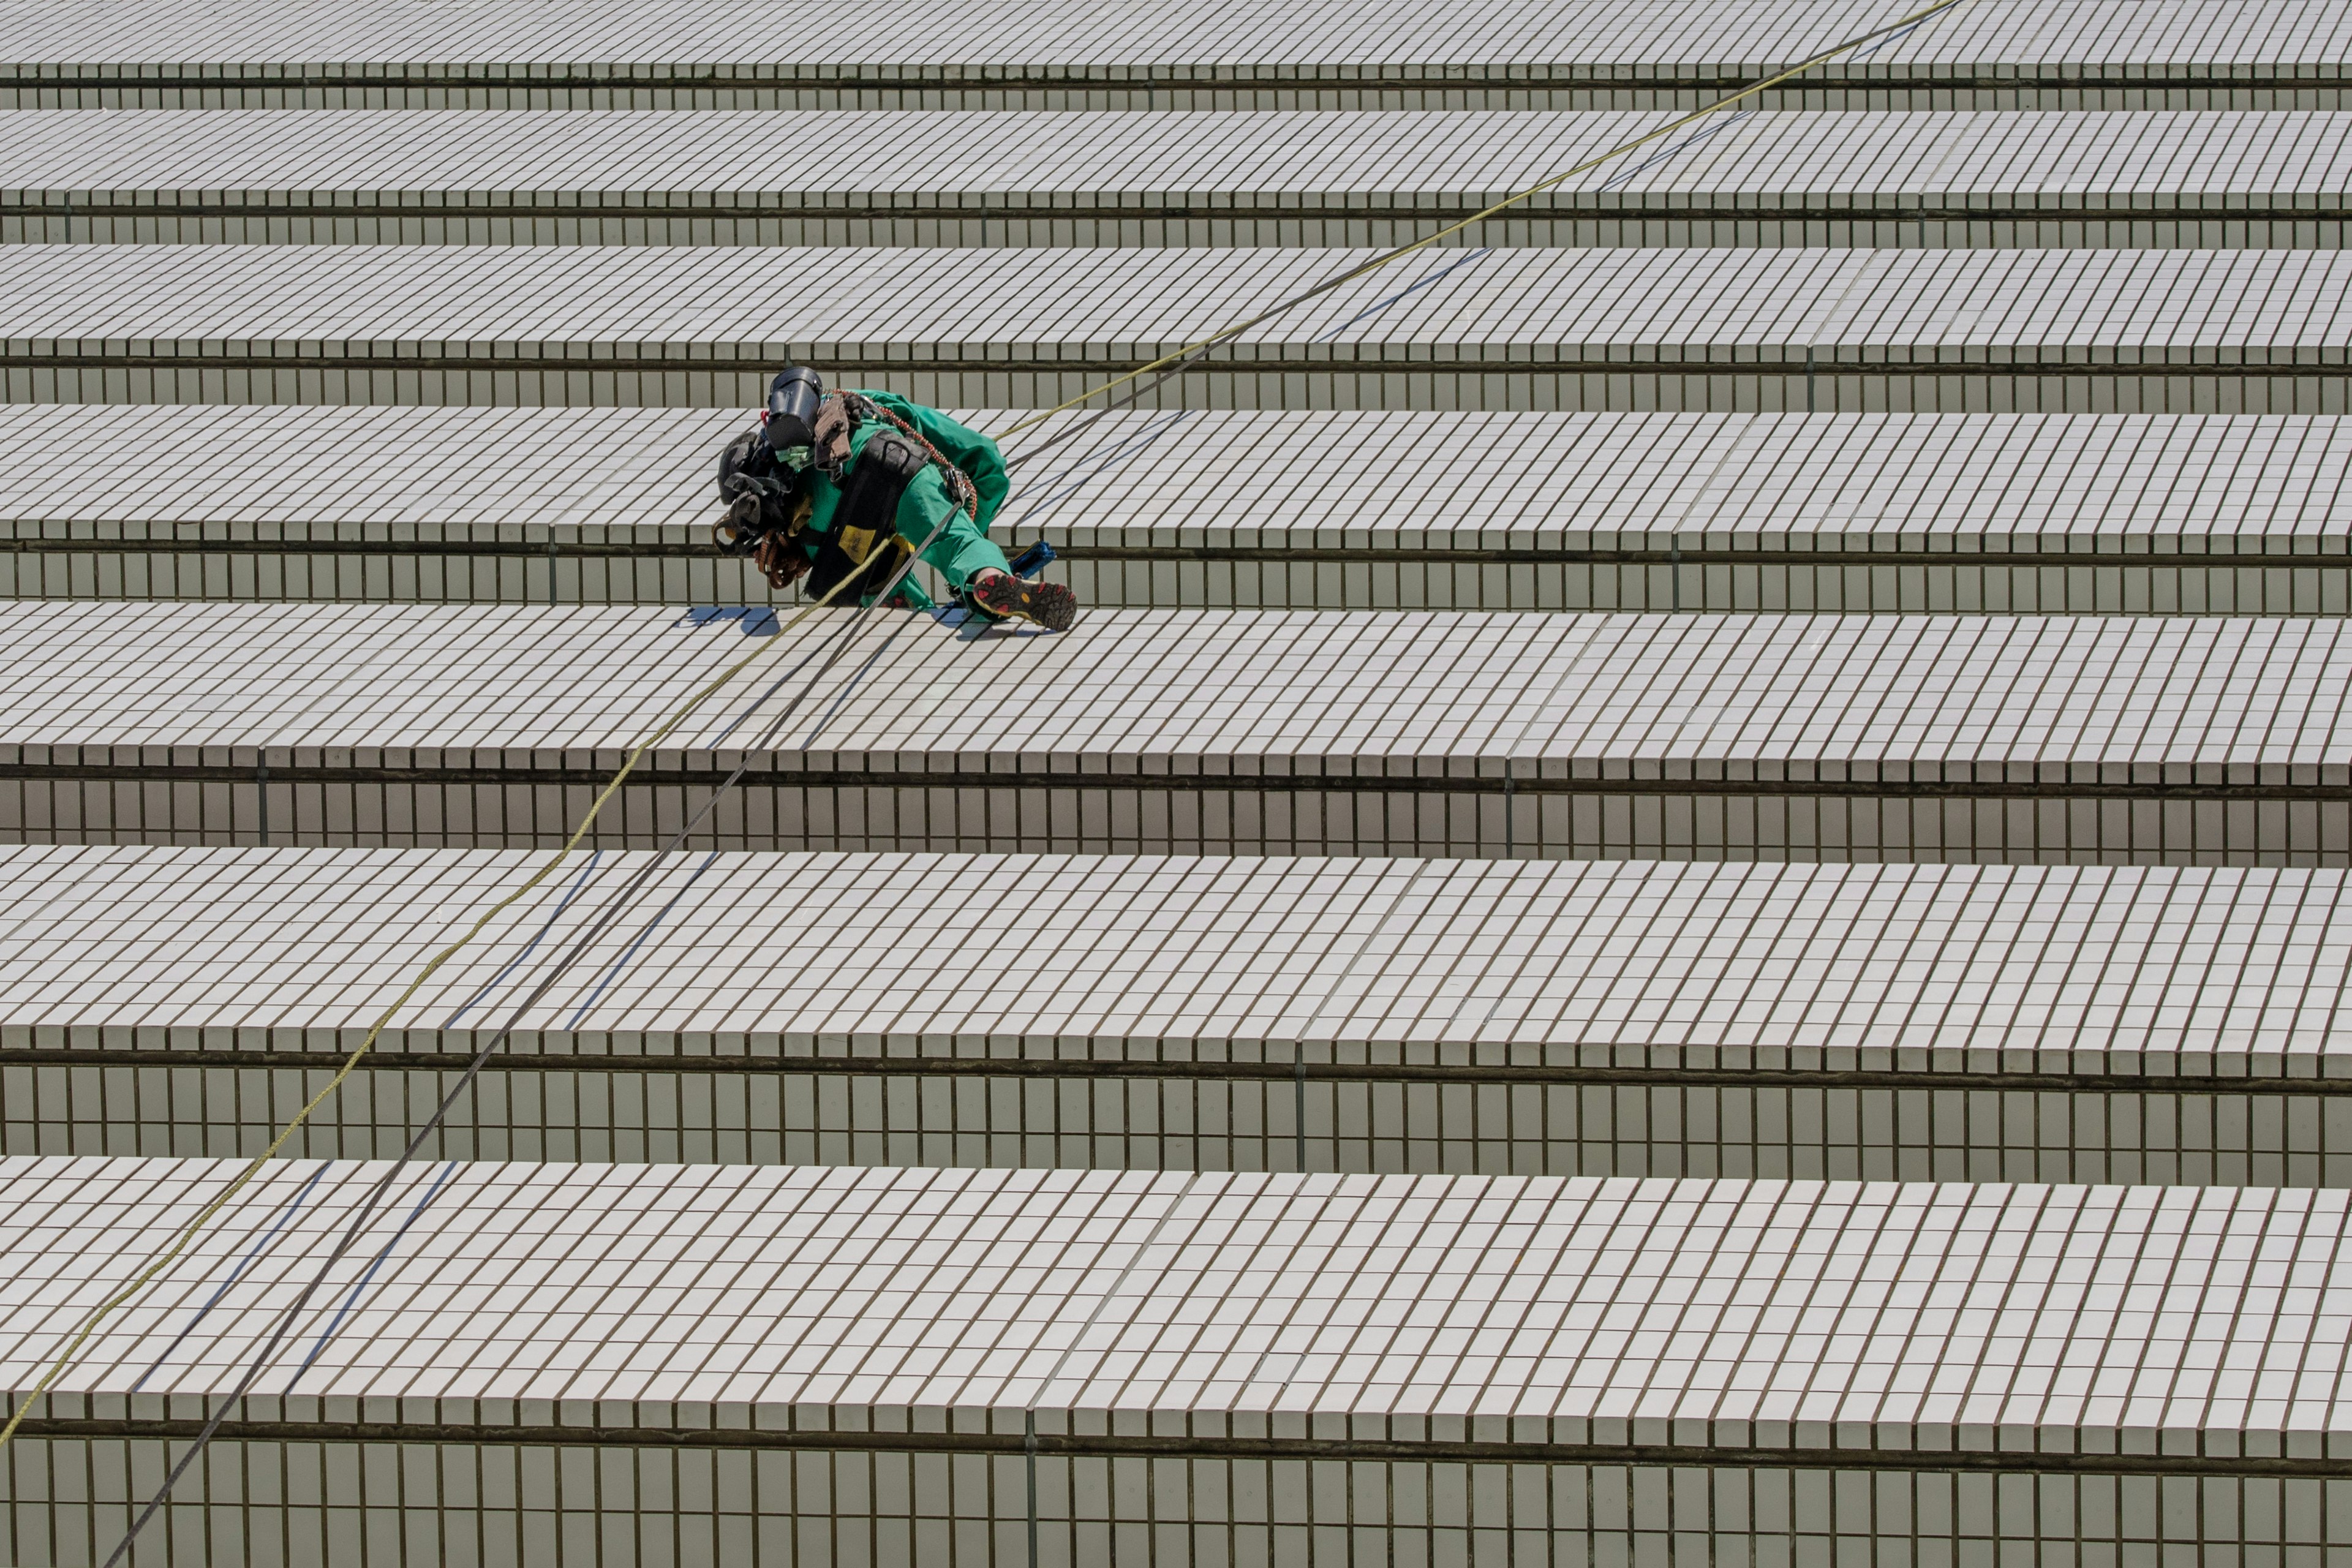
(973, 565)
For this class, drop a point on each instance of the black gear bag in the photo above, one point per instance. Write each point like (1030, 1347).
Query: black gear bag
(865, 542)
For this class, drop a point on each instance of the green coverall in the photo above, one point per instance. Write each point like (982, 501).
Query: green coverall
(963, 547)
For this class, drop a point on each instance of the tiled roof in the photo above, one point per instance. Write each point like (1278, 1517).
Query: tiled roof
(1903, 1319)
(2180, 973)
(1084, 41)
(1229, 162)
(1905, 485)
(1727, 309)
(1211, 693)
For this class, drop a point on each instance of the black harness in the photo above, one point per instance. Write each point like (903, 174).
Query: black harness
(769, 505)
(864, 542)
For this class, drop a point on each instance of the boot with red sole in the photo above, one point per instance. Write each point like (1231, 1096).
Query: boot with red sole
(1008, 598)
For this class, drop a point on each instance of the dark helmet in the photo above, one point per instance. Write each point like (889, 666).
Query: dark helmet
(792, 400)
(758, 491)
(747, 456)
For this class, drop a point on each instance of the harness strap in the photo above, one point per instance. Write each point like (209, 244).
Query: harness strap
(839, 417)
(864, 539)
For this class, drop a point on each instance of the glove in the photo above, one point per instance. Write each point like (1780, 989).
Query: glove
(1005, 597)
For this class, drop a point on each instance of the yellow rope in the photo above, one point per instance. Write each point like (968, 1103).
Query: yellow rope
(164, 1261)
(1376, 263)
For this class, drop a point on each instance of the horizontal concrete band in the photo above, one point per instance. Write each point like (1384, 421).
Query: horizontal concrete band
(1011, 328)
(651, 1057)
(1086, 50)
(1698, 387)
(671, 568)
(1701, 310)
(1296, 579)
(1965, 782)
(1396, 1311)
(1950, 822)
(1017, 179)
(2186, 209)
(495, 1506)
(1302, 698)
(2062, 555)
(1160, 966)
(1912, 1135)
(429, 223)
(2325, 368)
(1404, 89)
(1149, 732)
(1025, 1045)
(749, 1076)
(1308, 1446)
(1399, 77)
(669, 1109)
(2081, 490)
(2098, 514)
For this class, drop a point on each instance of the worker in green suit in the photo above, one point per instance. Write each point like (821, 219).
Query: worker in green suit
(840, 488)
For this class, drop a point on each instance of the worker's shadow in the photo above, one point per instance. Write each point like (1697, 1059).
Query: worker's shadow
(968, 627)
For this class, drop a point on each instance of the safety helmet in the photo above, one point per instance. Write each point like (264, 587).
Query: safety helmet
(792, 400)
(746, 454)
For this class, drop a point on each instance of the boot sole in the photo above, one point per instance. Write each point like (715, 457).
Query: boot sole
(1049, 605)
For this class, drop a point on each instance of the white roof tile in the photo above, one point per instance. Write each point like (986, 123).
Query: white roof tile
(1909, 1319)
(2149, 161)
(1515, 306)
(1083, 40)
(1188, 692)
(1894, 483)
(2184, 973)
